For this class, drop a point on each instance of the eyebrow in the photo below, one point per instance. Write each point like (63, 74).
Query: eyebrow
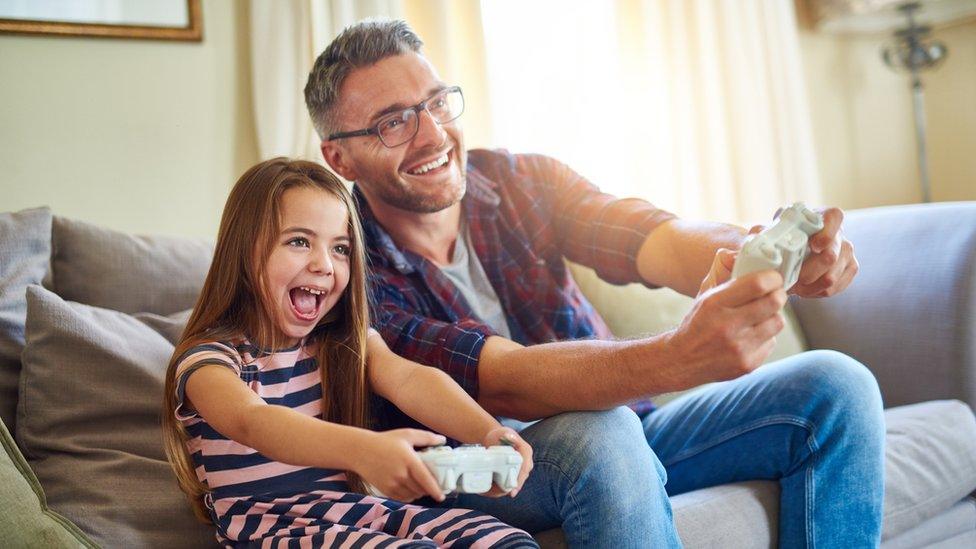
(310, 232)
(396, 107)
(301, 230)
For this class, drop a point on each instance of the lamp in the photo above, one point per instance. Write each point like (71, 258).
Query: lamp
(909, 50)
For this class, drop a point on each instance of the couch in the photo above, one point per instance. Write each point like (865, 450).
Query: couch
(88, 317)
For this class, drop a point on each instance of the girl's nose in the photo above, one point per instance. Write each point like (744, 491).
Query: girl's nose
(321, 263)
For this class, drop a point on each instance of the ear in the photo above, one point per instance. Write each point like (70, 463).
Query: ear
(337, 158)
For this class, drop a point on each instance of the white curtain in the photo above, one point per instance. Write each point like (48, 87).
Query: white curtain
(286, 37)
(696, 105)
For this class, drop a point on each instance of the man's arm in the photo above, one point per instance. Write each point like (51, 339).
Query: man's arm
(729, 332)
(678, 252)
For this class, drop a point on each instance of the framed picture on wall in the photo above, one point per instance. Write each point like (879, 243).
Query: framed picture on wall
(155, 20)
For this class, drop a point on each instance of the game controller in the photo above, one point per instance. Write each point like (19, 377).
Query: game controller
(782, 247)
(472, 468)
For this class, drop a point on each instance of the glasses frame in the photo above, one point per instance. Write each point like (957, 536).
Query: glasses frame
(422, 106)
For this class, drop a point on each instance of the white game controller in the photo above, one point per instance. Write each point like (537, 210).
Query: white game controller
(782, 247)
(472, 468)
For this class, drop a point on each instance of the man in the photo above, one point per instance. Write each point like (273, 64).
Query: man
(467, 253)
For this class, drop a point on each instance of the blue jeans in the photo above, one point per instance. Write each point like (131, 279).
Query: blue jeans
(813, 422)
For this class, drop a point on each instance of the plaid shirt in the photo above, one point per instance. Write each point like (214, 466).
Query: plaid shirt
(525, 215)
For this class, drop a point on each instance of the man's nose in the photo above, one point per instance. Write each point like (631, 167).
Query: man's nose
(429, 133)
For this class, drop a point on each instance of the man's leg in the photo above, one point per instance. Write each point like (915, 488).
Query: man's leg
(814, 422)
(595, 477)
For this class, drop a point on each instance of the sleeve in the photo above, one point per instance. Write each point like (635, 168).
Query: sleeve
(222, 354)
(593, 228)
(453, 347)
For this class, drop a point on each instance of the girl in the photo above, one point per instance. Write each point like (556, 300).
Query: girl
(267, 395)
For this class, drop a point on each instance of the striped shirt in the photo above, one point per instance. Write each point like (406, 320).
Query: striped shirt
(526, 215)
(256, 501)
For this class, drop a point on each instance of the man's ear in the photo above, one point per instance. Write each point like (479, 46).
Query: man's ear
(338, 159)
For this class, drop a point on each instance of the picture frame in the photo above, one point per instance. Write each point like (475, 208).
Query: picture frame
(180, 20)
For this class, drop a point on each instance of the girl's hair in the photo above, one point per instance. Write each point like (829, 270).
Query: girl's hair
(235, 302)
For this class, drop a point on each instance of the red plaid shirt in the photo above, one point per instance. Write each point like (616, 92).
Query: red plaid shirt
(525, 214)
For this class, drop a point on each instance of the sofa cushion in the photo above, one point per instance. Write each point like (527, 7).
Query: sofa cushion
(25, 256)
(26, 520)
(931, 461)
(118, 271)
(91, 392)
(949, 528)
(910, 315)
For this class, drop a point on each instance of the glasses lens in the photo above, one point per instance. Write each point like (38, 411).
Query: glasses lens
(398, 128)
(446, 106)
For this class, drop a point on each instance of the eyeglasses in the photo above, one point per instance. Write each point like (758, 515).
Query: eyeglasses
(400, 127)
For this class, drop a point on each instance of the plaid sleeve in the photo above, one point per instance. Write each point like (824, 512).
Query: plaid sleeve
(595, 229)
(454, 347)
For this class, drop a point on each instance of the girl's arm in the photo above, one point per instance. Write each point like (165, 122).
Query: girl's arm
(386, 460)
(431, 397)
(426, 394)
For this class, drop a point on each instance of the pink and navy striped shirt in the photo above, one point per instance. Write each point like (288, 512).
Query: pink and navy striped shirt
(256, 501)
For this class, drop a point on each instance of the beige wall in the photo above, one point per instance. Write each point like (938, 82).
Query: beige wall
(863, 121)
(142, 136)
(148, 136)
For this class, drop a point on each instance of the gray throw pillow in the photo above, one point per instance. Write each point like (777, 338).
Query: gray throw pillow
(25, 257)
(122, 272)
(89, 416)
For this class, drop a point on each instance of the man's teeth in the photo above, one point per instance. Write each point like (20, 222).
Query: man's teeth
(312, 291)
(437, 163)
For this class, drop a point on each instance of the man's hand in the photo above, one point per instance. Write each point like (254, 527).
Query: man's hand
(732, 326)
(831, 265)
(721, 270)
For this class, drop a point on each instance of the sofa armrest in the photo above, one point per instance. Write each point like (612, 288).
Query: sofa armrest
(910, 315)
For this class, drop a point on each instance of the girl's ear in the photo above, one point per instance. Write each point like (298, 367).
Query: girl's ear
(337, 159)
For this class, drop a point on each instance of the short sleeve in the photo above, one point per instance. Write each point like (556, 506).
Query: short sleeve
(221, 354)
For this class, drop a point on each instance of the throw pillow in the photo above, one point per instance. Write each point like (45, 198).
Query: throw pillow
(25, 256)
(26, 520)
(118, 271)
(89, 416)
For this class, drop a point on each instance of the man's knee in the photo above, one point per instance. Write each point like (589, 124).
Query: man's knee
(606, 446)
(842, 390)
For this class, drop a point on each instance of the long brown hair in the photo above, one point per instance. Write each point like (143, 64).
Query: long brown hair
(235, 301)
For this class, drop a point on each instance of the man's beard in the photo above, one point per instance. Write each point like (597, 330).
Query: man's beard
(394, 193)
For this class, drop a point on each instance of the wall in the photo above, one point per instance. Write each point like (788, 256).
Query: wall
(142, 136)
(863, 120)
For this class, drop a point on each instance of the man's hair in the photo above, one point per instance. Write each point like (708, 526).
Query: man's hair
(359, 45)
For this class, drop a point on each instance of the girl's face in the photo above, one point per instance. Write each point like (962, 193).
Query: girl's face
(309, 264)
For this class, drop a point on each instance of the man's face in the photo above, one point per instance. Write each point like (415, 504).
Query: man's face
(424, 175)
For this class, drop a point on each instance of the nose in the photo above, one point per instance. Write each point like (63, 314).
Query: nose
(429, 133)
(320, 262)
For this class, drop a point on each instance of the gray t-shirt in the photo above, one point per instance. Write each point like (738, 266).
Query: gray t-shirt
(466, 272)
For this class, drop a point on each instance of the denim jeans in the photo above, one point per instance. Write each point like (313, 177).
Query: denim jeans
(813, 422)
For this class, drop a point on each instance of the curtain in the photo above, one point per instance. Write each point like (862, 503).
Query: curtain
(696, 105)
(288, 35)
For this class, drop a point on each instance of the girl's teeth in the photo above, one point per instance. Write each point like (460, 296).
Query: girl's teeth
(430, 166)
(311, 290)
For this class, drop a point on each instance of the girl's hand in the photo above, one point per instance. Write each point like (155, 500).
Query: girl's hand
(494, 438)
(390, 464)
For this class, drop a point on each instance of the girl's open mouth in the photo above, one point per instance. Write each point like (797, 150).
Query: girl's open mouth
(306, 301)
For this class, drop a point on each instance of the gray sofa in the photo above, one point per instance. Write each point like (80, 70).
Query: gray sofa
(88, 317)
